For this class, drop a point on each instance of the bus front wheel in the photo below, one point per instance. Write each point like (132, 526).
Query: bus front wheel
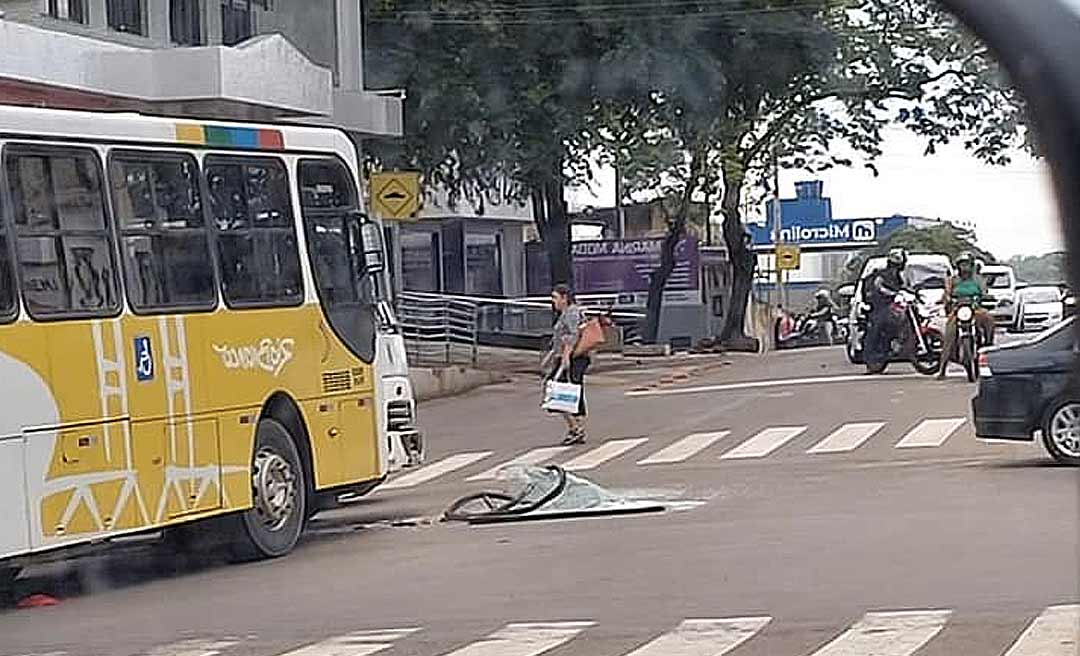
(272, 526)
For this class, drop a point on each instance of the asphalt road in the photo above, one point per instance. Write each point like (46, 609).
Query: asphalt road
(821, 512)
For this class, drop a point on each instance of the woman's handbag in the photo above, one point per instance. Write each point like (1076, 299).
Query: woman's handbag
(591, 335)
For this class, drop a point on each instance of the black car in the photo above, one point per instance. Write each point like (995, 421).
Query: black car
(1027, 387)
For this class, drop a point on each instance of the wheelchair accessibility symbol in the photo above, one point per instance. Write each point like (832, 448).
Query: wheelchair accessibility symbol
(144, 359)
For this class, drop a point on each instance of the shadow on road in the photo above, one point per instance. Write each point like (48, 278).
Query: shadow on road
(1029, 463)
(132, 564)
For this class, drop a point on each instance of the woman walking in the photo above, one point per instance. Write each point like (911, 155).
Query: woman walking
(561, 358)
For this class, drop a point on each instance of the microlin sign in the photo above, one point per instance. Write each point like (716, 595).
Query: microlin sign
(835, 232)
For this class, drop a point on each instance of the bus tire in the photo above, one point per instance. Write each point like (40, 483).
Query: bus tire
(279, 499)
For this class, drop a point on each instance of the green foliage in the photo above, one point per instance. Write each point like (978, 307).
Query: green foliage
(1040, 269)
(693, 99)
(945, 239)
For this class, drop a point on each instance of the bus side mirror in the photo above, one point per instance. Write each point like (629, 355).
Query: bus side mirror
(366, 242)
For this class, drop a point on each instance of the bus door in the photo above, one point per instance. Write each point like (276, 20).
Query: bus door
(346, 440)
(165, 247)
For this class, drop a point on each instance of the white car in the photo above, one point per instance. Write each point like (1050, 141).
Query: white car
(926, 272)
(1038, 308)
(1001, 286)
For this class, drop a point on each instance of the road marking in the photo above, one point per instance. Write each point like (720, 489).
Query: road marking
(359, 643)
(524, 639)
(782, 382)
(704, 637)
(534, 457)
(931, 432)
(887, 634)
(847, 438)
(194, 647)
(601, 454)
(764, 443)
(685, 448)
(1056, 632)
(436, 469)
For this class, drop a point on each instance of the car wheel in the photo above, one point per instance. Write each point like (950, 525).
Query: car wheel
(272, 526)
(1061, 432)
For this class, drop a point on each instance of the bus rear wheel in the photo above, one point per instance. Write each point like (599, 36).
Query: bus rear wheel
(272, 526)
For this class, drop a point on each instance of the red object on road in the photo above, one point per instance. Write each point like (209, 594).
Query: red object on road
(37, 601)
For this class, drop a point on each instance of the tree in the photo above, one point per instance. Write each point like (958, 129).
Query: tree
(528, 92)
(490, 99)
(813, 85)
(1040, 269)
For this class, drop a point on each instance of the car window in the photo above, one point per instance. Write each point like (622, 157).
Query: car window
(1046, 295)
(1000, 280)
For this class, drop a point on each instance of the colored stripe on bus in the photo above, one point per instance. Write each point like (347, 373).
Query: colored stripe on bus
(217, 135)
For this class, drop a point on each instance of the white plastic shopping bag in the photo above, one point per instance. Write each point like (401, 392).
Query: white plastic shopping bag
(561, 397)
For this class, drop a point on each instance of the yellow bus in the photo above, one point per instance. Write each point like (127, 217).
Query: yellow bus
(193, 324)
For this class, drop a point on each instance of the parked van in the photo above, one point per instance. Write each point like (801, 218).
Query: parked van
(1001, 285)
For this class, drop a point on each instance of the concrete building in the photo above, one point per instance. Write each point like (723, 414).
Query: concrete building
(476, 248)
(259, 60)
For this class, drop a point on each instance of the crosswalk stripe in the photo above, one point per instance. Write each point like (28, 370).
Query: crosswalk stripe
(764, 442)
(930, 432)
(685, 448)
(601, 454)
(534, 457)
(358, 643)
(847, 438)
(436, 469)
(704, 637)
(899, 633)
(524, 639)
(1056, 632)
(193, 647)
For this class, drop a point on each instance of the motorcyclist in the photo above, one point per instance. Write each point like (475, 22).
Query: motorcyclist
(824, 313)
(879, 289)
(967, 287)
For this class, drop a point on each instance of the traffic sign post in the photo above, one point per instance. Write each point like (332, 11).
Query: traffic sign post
(788, 257)
(395, 194)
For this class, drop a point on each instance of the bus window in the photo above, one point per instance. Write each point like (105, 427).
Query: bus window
(257, 250)
(7, 277)
(164, 243)
(62, 237)
(327, 194)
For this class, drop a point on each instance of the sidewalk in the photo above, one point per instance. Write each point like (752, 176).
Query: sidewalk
(496, 365)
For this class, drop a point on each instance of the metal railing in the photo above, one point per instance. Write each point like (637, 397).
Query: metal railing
(448, 329)
(438, 329)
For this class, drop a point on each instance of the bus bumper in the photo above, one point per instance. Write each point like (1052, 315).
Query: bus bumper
(405, 441)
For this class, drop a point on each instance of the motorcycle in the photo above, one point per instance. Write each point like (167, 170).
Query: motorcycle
(803, 330)
(914, 338)
(968, 340)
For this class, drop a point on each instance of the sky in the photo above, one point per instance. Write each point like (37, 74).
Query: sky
(1011, 207)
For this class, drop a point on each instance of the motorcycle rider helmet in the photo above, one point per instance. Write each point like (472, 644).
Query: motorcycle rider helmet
(965, 258)
(822, 294)
(897, 258)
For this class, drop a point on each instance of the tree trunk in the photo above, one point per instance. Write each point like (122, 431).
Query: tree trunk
(553, 224)
(659, 279)
(675, 232)
(743, 261)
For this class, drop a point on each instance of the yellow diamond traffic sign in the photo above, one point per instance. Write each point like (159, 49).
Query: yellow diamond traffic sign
(788, 258)
(395, 194)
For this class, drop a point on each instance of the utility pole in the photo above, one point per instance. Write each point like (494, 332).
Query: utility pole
(777, 218)
(620, 214)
